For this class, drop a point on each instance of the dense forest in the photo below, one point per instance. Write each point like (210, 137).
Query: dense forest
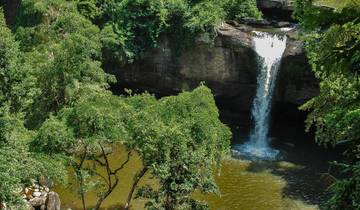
(59, 118)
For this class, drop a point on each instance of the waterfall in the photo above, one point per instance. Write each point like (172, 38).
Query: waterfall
(269, 48)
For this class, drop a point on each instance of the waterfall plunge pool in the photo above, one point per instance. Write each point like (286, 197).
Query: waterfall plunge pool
(292, 183)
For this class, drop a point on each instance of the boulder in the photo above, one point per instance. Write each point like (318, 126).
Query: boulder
(277, 9)
(255, 22)
(29, 207)
(53, 201)
(276, 4)
(281, 24)
(38, 201)
(37, 194)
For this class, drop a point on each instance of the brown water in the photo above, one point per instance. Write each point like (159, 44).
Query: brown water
(241, 189)
(290, 184)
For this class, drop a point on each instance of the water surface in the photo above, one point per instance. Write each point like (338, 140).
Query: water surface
(289, 184)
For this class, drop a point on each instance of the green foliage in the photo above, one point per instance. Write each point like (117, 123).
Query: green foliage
(203, 16)
(15, 76)
(54, 137)
(56, 111)
(98, 117)
(335, 58)
(346, 191)
(58, 61)
(178, 139)
(133, 27)
(313, 16)
(18, 165)
(89, 8)
(137, 25)
(333, 48)
(83, 132)
(64, 50)
(238, 9)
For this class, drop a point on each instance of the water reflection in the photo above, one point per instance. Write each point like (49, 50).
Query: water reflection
(292, 183)
(244, 185)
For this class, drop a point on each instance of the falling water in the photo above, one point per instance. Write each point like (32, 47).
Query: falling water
(270, 48)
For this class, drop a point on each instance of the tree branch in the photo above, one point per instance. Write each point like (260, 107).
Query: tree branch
(136, 182)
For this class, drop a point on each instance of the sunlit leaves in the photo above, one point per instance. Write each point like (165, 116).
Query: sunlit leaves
(333, 48)
(181, 136)
(139, 24)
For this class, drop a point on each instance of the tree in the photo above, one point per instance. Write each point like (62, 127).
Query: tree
(53, 73)
(64, 49)
(333, 48)
(87, 133)
(137, 25)
(18, 163)
(179, 139)
(17, 82)
(56, 111)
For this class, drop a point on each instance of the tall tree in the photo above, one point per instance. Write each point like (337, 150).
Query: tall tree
(180, 140)
(17, 81)
(64, 49)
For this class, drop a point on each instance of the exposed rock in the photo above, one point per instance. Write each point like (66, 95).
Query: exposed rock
(38, 201)
(228, 67)
(30, 207)
(46, 182)
(277, 9)
(37, 194)
(276, 4)
(281, 24)
(238, 36)
(53, 202)
(44, 193)
(255, 22)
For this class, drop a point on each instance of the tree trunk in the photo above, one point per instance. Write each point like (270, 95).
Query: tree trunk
(136, 182)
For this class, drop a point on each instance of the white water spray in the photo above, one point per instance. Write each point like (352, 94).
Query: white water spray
(270, 48)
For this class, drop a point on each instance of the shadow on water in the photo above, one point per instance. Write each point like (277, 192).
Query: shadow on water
(301, 165)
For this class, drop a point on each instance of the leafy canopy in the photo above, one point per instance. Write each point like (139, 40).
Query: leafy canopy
(178, 139)
(56, 111)
(132, 27)
(333, 48)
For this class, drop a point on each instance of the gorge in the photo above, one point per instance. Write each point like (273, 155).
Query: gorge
(181, 104)
(227, 67)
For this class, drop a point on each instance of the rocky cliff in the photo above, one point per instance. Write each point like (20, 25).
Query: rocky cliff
(277, 9)
(228, 67)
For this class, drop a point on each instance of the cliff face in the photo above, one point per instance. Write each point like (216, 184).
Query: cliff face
(228, 67)
(278, 9)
